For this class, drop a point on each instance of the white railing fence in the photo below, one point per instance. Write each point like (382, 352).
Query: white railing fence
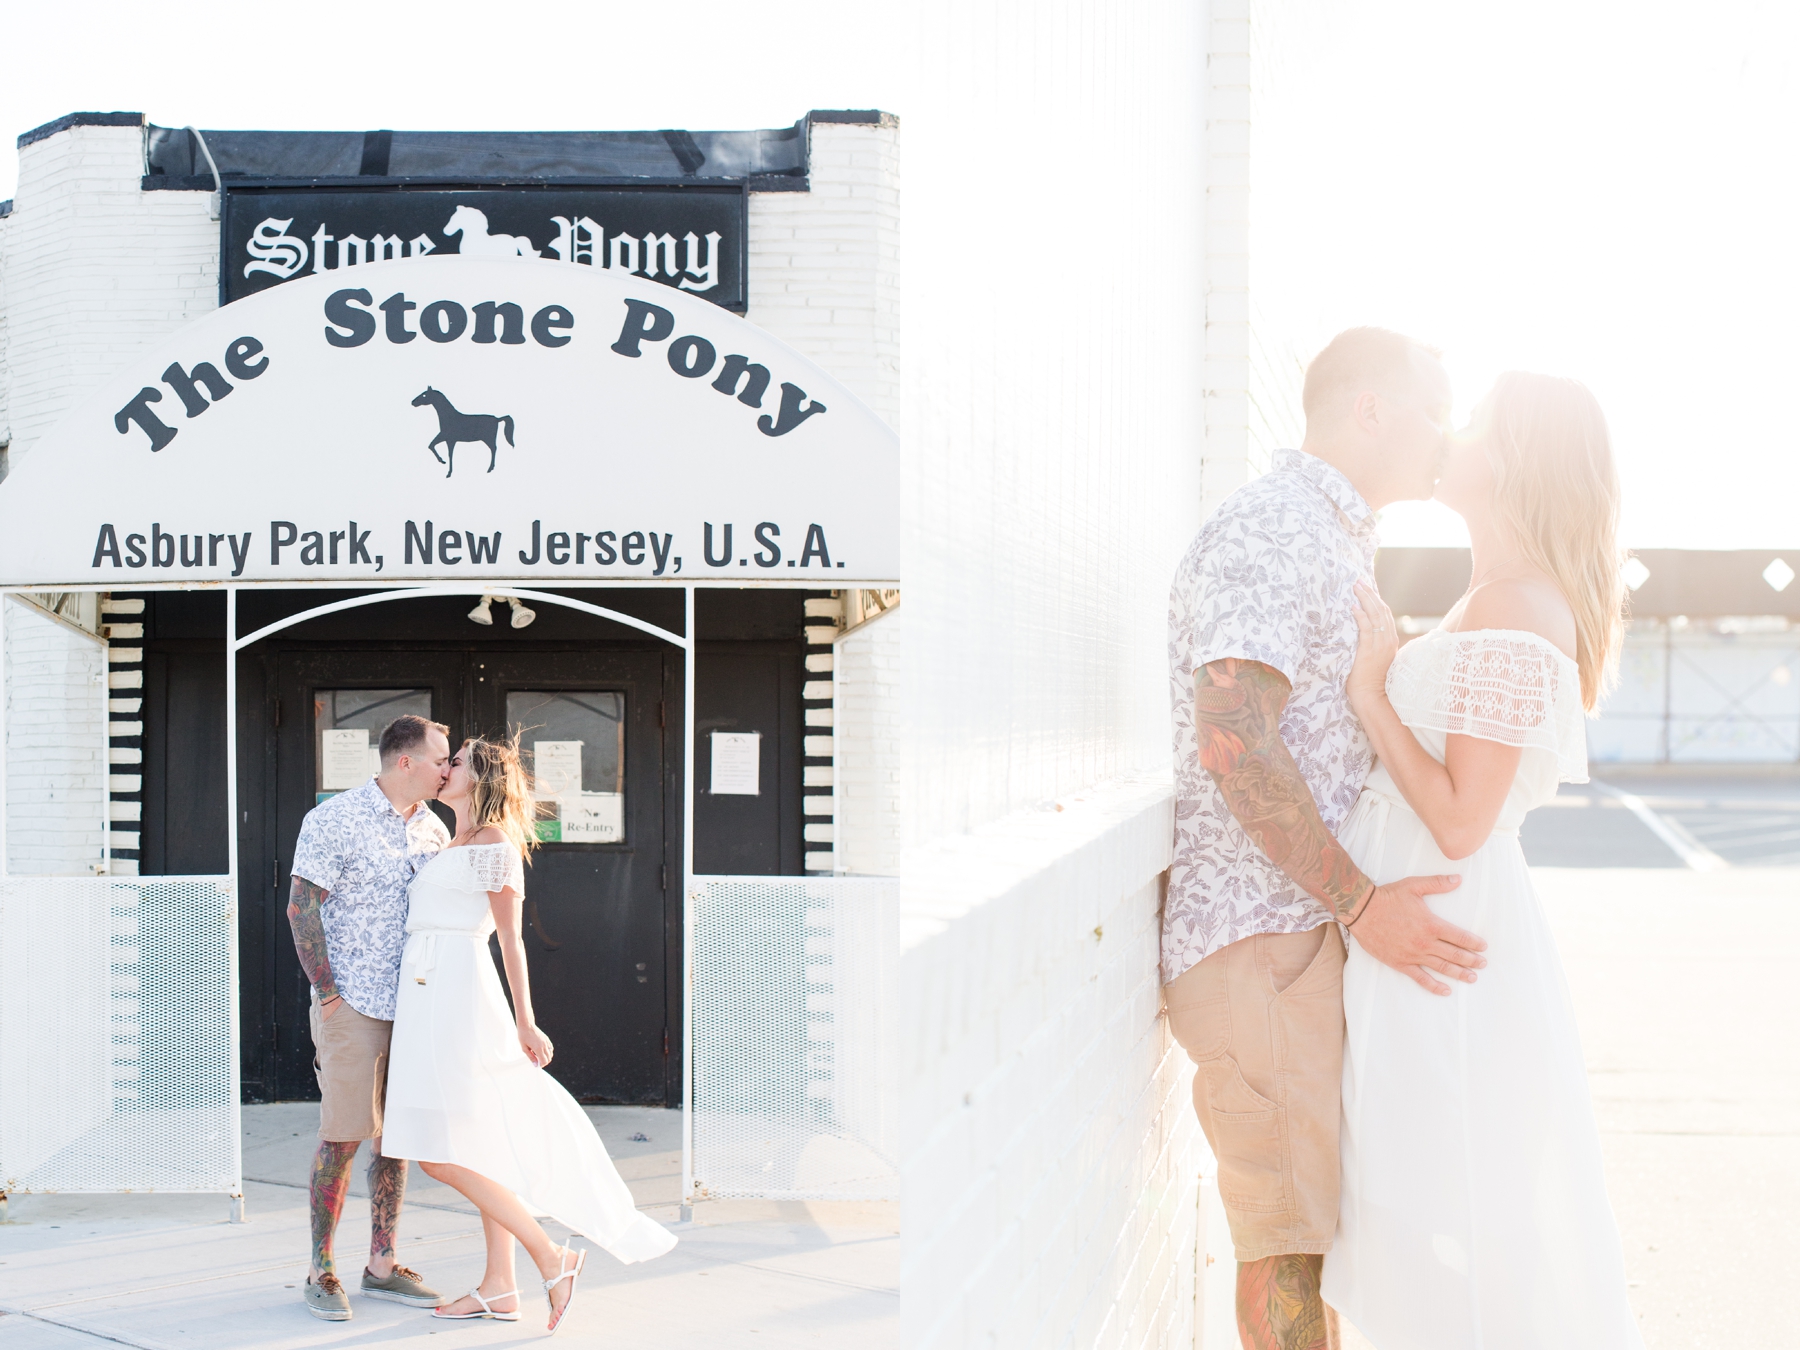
(1722, 692)
(118, 1043)
(793, 1001)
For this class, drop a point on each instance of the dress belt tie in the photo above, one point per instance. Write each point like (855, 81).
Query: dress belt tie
(1388, 802)
(425, 958)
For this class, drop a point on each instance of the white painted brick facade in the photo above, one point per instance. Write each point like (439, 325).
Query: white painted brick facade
(94, 269)
(1228, 335)
(825, 264)
(1062, 281)
(867, 708)
(55, 745)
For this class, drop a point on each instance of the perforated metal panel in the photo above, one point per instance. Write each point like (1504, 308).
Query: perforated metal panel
(117, 1053)
(794, 1004)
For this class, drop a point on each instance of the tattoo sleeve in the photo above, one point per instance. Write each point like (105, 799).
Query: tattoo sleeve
(1237, 714)
(309, 935)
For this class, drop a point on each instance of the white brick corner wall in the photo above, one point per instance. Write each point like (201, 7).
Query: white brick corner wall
(825, 263)
(95, 267)
(867, 711)
(56, 747)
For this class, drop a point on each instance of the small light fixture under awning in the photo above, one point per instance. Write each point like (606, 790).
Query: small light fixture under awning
(483, 613)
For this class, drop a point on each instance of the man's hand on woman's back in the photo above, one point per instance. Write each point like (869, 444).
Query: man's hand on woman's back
(1397, 928)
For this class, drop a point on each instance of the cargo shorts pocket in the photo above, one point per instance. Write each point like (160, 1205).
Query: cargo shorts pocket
(328, 1034)
(1248, 1134)
(1199, 1009)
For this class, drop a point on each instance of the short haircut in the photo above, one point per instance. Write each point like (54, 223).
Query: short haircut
(405, 734)
(1361, 360)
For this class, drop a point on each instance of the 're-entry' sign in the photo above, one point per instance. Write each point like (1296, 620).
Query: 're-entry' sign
(455, 418)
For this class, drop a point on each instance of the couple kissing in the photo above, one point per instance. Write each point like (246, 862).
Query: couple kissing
(1388, 1065)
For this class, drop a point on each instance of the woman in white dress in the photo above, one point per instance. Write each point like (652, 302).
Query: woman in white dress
(1474, 1213)
(467, 1095)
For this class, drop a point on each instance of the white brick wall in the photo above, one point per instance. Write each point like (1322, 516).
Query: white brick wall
(825, 264)
(95, 268)
(55, 745)
(1228, 347)
(1051, 1191)
(5, 359)
(867, 711)
(1057, 382)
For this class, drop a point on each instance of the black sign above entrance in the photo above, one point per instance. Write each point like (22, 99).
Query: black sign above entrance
(691, 238)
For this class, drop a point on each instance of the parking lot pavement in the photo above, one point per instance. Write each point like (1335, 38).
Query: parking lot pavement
(1690, 1022)
(1729, 815)
(82, 1272)
(1690, 1025)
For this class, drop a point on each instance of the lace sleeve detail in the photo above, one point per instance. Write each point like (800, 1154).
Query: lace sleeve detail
(497, 866)
(1512, 688)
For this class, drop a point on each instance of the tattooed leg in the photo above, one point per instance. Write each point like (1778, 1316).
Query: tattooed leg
(1278, 1305)
(330, 1183)
(387, 1188)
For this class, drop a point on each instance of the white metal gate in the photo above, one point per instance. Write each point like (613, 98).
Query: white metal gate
(118, 1035)
(793, 996)
(1698, 693)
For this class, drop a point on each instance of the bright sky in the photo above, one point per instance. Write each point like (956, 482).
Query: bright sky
(1604, 190)
(698, 65)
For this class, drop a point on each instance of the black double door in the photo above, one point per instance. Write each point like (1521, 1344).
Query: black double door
(601, 923)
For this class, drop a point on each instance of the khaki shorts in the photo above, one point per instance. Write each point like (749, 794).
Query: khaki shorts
(1263, 1020)
(350, 1057)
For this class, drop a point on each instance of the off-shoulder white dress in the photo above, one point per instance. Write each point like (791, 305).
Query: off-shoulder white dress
(460, 1090)
(1474, 1213)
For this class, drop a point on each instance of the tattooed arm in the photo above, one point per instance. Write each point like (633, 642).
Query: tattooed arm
(1237, 715)
(1237, 712)
(309, 941)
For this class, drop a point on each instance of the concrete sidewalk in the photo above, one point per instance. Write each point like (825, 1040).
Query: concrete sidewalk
(161, 1272)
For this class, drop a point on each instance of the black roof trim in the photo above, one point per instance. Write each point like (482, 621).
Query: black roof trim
(204, 183)
(80, 119)
(773, 159)
(6, 208)
(857, 117)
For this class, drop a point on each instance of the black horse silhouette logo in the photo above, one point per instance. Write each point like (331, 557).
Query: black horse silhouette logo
(454, 427)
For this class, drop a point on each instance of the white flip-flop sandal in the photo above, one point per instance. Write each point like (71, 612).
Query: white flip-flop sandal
(487, 1310)
(567, 1273)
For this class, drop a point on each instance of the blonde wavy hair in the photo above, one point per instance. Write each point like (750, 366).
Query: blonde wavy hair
(500, 791)
(1557, 489)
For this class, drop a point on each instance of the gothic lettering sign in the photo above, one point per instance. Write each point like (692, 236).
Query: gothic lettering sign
(690, 238)
(450, 417)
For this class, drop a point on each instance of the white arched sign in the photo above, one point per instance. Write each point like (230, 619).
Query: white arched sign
(455, 417)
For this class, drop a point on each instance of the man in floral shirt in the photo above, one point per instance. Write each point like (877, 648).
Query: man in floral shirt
(1269, 759)
(355, 859)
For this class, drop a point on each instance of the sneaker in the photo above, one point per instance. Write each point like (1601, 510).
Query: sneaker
(327, 1300)
(403, 1286)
